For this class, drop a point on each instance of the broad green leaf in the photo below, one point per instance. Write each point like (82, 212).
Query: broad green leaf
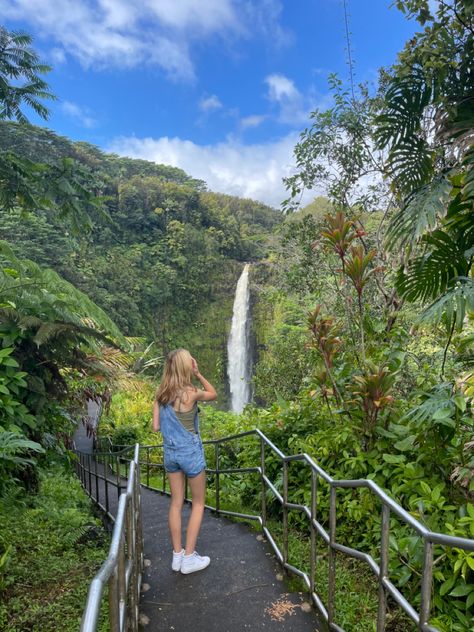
(405, 444)
(460, 402)
(447, 585)
(394, 458)
(462, 590)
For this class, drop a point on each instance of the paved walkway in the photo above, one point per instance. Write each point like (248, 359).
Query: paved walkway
(242, 589)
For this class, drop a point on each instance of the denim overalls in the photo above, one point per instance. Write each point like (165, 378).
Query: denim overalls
(183, 450)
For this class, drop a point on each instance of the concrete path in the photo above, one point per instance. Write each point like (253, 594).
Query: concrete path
(242, 589)
(83, 441)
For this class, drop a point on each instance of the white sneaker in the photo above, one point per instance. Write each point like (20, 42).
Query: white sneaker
(194, 562)
(177, 560)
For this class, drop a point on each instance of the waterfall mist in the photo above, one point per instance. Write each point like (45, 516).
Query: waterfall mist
(238, 368)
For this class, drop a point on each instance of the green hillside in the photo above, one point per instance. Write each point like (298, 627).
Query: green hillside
(162, 259)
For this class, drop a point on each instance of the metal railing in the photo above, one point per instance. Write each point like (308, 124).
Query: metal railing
(99, 473)
(386, 588)
(122, 570)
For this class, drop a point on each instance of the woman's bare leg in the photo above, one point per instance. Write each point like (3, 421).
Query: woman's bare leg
(176, 480)
(198, 492)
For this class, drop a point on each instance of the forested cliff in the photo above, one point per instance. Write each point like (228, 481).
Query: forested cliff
(161, 256)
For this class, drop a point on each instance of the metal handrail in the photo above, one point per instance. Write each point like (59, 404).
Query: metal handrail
(122, 570)
(381, 570)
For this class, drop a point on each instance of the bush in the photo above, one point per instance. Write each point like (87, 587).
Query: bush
(53, 544)
(125, 435)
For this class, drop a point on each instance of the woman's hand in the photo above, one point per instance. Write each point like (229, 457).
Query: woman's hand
(195, 367)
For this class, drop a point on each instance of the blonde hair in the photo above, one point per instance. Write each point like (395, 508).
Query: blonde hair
(177, 375)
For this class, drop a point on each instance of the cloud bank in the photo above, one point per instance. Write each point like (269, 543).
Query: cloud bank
(252, 171)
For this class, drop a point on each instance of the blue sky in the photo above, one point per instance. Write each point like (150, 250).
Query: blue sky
(220, 88)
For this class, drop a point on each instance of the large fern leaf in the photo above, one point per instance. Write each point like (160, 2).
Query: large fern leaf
(421, 214)
(451, 306)
(37, 292)
(429, 275)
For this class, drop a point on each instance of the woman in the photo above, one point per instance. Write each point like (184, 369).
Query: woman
(175, 415)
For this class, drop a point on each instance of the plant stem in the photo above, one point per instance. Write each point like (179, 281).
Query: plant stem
(446, 348)
(361, 319)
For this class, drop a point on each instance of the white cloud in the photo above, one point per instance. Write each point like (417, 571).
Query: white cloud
(207, 104)
(78, 113)
(205, 15)
(120, 33)
(252, 121)
(281, 88)
(103, 33)
(293, 107)
(254, 171)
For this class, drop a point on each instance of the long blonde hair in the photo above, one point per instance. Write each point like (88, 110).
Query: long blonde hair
(177, 375)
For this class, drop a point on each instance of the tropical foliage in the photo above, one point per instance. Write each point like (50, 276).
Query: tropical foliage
(363, 302)
(426, 126)
(47, 326)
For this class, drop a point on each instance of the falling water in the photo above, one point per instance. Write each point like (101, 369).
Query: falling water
(238, 345)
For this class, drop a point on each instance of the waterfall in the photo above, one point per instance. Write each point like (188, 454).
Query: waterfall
(238, 367)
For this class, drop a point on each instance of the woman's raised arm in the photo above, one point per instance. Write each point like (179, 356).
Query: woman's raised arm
(209, 393)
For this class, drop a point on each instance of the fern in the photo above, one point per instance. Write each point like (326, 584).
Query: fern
(451, 306)
(432, 273)
(41, 294)
(13, 448)
(421, 214)
(437, 403)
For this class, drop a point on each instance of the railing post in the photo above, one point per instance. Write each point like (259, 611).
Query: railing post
(285, 512)
(332, 556)
(217, 479)
(148, 466)
(96, 481)
(121, 567)
(314, 491)
(90, 473)
(264, 489)
(114, 602)
(131, 553)
(382, 608)
(81, 469)
(106, 467)
(138, 526)
(426, 584)
(117, 465)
